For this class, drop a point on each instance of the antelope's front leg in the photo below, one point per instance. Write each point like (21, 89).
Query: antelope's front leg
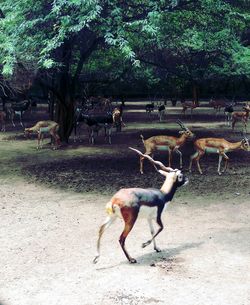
(226, 162)
(38, 140)
(219, 163)
(180, 154)
(159, 222)
(152, 233)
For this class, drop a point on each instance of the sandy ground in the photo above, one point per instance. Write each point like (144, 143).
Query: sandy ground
(48, 239)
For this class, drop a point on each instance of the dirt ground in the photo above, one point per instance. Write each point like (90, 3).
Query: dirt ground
(52, 204)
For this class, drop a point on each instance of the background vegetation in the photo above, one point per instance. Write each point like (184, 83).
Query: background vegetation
(76, 48)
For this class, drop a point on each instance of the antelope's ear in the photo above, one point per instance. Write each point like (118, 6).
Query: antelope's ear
(181, 131)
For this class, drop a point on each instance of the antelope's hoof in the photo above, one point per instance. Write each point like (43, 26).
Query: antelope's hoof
(146, 244)
(96, 259)
(132, 261)
(157, 249)
(219, 173)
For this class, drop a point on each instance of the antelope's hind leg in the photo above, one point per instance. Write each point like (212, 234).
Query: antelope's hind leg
(107, 223)
(129, 215)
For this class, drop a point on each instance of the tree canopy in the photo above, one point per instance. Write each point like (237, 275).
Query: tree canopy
(65, 45)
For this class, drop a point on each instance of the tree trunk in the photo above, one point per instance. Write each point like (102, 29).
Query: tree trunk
(195, 94)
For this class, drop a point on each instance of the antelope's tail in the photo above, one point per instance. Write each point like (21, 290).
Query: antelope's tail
(110, 208)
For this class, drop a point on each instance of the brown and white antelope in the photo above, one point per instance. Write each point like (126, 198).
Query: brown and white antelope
(117, 118)
(241, 116)
(218, 146)
(166, 143)
(188, 105)
(44, 127)
(217, 104)
(131, 203)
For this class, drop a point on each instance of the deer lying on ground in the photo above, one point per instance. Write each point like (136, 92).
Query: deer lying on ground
(218, 146)
(188, 105)
(241, 116)
(133, 202)
(44, 127)
(2, 119)
(166, 143)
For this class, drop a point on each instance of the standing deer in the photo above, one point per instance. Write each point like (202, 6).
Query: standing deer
(17, 109)
(44, 127)
(131, 203)
(218, 146)
(228, 112)
(188, 105)
(117, 118)
(241, 116)
(217, 104)
(161, 111)
(149, 108)
(166, 143)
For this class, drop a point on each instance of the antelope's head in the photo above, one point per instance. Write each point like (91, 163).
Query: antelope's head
(27, 132)
(247, 107)
(245, 144)
(185, 131)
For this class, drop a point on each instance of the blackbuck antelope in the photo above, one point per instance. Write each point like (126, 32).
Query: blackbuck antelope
(218, 146)
(241, 116)
(17, 109)
(133, 202)
(217, 104)
(161, 112)
(2, 119)
(44, 127)
(166, 143)
(149, 108)
(94, 124)
(188, 105)
(117, 118)
(228, 111)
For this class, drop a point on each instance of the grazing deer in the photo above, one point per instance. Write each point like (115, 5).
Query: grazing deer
(2, 119)
(166, 143)
(133, 202)
(241, 116)
(188, 105)
(218, 146)
(228, 111)
(161, 111)
(44, 127)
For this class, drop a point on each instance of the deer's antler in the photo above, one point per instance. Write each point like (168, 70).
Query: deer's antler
(162, 166)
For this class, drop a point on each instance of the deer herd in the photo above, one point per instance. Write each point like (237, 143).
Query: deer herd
(132, 203)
